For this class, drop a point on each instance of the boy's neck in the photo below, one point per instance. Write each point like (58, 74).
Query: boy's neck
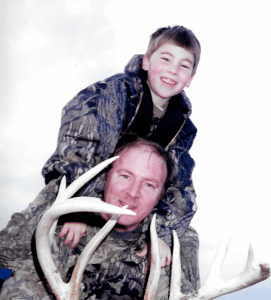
(158, 101)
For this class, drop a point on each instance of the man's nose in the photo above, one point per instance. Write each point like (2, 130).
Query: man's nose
(134, 189)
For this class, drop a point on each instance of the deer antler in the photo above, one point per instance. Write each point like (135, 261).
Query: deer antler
(67, 291)
(70, 291)
(155, 264)
(214, 286)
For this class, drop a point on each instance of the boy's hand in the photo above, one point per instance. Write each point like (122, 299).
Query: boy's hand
(165, 254)
(74, 231)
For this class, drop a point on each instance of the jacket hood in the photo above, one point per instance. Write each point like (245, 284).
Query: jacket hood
(134, 69)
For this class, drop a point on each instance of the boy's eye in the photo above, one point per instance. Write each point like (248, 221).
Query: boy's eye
(165, 58)
(186, 66)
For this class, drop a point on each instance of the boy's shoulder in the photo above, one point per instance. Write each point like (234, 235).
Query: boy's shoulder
(132, 70)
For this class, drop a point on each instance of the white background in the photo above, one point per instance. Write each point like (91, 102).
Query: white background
(50, 50)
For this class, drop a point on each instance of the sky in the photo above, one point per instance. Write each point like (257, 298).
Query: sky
(51, 50)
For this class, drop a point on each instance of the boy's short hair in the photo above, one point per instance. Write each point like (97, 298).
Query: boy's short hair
(179, 36)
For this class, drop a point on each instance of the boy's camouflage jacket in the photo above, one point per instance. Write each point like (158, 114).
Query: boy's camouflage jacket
(92, 124)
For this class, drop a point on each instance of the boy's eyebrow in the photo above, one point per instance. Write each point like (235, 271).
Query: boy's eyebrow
(186, 59)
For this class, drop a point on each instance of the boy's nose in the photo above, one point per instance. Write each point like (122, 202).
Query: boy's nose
(134, 190)
(173, 69)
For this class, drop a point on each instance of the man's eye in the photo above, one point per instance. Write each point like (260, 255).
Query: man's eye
(149, 184)
(124, 176)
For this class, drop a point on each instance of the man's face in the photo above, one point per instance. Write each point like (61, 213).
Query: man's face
(169, 70)
(136, 179)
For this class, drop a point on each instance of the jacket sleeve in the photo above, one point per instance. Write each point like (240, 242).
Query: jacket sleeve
(90, 127)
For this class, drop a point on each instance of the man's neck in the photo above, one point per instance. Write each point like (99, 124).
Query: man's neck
(125, 235)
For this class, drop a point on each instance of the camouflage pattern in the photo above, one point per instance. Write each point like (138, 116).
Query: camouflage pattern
(15, 239)
(114, 270)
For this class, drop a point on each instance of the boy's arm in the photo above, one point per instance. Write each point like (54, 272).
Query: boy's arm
(90, 128)
(164, 251)
(74, 231)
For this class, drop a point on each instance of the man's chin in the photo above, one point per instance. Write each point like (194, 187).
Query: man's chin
(125, 225)
(124, 222)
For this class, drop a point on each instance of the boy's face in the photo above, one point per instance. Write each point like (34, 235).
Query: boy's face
(169, 70)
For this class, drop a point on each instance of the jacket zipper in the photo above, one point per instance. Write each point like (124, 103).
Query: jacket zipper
(137, 109)
(169, 144)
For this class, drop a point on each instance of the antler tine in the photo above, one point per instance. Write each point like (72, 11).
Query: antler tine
(64, 194)
(155, 263)
(92, 245)
(62, 290)
(213, 283)
(218, 261)
(216, 287)
(263, 269)
(79, 182)
(61, 190)
(175, 284)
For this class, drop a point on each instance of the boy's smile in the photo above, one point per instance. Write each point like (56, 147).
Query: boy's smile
(169, 72)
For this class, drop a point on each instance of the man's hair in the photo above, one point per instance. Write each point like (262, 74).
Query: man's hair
(178, 36)
(157, 149)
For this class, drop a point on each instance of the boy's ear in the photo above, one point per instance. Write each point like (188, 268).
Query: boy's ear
(189, 81)
(145, 63)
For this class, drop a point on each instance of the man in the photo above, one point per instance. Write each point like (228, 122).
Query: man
(117, 270)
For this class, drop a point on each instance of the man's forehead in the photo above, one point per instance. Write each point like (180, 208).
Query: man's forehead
(143, 156)
(139, 152)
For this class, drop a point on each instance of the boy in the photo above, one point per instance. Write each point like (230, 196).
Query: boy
(147, 100)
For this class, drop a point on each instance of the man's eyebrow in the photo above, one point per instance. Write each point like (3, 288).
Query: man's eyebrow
(131, 173)
(186, 59)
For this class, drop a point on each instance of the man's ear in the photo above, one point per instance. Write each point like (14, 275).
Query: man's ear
(145, 63)
(189, 81)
